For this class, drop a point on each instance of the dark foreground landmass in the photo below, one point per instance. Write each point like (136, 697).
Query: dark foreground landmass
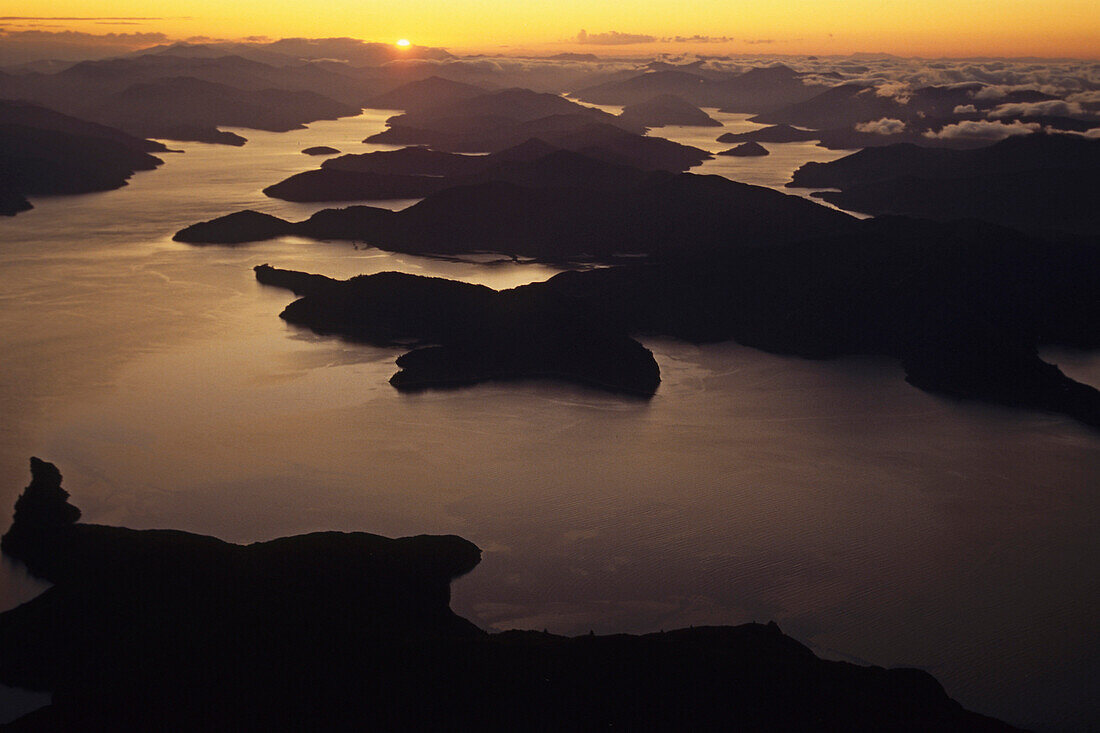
(963, 306)
(46, 153)
(167, 630)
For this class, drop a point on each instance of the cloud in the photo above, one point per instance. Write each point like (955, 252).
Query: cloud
(58, 17)
(899, 91)
(1092, 97)
(982, 130)
(885, 126)
(991, 92)
(18, 47)
(699, 39)
(613, 38)
(1054, 107)
(964, 109)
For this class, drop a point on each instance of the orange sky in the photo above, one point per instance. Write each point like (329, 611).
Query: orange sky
(902, 27)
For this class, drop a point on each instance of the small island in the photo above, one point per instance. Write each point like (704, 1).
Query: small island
(321, 150)
(746, 150)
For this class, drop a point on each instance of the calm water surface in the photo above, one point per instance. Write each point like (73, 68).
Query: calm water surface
(870, 520)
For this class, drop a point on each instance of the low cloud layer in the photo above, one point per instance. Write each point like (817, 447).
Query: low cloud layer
(885, 126)
(21, 46)
(1052, 108)
(977, 130)
(613, 38)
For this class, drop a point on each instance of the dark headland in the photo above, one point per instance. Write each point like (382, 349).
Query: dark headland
(168, 630)
(772, 134)
(963, 306)
(46, 153)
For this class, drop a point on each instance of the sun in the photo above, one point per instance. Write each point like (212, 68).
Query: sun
(404, 43)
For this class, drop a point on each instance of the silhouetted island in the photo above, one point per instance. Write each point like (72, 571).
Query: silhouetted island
(46, 153)
(746, 150)
(963, 306)
(321, 150)
(418, 172)
(168, 630)
(567, 207)
(772, 134)
(466, 334)
(667, 109)
(1041, 183)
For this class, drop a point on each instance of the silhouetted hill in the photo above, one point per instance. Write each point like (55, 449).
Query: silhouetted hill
(320, 150)
(643, 87)
(840, 106)
(763, 88)
(27, 114)
(533, 164)
(168, 104)
(160, 95)
(1054, 202)
(469, 333)
(414, 172)
(518, 105)
(844, 106)
(167, 630)
(667, 109)
(755, 90)
(424, 93)
(661, 215)
(1040, 183)
(499, 120)
(613, 145)
(773, 134)
(571, 131)
(746, 150)
(410, 161)
(963, 305)
(1013, 155)
(45, 153)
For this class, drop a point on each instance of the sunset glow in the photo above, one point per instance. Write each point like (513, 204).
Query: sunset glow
(931, 28)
